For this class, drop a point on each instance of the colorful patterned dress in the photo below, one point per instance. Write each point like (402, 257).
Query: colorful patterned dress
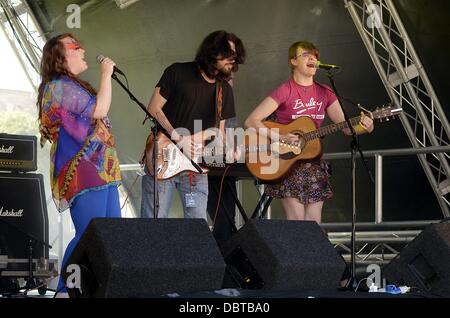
(83, 154)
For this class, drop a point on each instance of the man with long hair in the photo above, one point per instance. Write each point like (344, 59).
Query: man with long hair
(185, 98)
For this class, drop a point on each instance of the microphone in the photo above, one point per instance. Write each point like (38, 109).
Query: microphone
(100, 59)
(319, 64)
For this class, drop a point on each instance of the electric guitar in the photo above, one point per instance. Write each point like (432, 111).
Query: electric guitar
(271, 161)
(171, 161)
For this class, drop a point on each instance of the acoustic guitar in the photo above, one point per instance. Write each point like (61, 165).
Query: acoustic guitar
(271, 161)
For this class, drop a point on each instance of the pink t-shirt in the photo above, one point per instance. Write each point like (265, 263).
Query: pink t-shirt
(295, 100)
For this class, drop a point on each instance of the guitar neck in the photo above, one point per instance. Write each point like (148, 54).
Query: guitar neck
(330, 129)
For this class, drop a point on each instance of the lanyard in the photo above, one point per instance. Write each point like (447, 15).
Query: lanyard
(191, 179)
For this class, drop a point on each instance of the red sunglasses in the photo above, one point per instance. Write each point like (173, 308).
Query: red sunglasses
(73, 46)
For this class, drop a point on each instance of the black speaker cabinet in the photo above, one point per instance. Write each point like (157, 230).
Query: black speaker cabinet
(425, 262)
(23, 216)
(282, 254)
(146, 258)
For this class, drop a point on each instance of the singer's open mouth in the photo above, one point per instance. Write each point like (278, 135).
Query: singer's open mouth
(313, 65)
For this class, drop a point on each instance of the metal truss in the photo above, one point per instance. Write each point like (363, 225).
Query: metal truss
(408, 86)
(376, 247)
(24, 35)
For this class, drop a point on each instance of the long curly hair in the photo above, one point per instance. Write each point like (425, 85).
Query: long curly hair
(215, 45)
(54, 64)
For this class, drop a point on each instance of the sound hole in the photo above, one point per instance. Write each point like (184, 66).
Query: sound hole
(301, 137)
(295, 152)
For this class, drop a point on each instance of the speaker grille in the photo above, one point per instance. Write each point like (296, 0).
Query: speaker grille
(424, 263)
(148, 257)
(289, 254)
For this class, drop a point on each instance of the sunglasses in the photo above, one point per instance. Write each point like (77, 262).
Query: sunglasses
(73, 46)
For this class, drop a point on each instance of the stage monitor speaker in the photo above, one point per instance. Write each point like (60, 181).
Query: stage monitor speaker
(23, 216)
(424, 263)
(282, 254)
(146, 258)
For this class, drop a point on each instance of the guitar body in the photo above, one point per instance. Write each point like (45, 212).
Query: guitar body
(272, 165)
(171, 160)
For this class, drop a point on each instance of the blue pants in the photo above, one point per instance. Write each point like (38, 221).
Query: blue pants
(92, 204)
(198, 191)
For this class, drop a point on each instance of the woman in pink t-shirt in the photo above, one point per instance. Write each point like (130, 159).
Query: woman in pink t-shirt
(304, 190)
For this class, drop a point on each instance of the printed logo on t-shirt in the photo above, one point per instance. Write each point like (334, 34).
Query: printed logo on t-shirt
(310, 109)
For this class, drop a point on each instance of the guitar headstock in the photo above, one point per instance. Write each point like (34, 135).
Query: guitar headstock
(386, 112)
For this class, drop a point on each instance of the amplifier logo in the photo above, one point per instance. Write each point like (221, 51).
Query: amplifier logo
(7, 150)
(11, 213)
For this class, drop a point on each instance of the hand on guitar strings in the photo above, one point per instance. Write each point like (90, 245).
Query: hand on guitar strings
(289, 138)
(189, 147)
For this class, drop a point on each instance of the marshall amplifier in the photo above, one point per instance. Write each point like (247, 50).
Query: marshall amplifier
(23, 216)
(18, 153)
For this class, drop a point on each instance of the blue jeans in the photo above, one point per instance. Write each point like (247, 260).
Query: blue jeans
(89, 205)
(193, 206)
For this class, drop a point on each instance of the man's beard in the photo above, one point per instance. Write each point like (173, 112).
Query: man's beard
(225, 73)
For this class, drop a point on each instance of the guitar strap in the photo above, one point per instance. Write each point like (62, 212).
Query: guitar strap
(219, 102)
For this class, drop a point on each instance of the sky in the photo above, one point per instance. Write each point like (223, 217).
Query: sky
(12, 75)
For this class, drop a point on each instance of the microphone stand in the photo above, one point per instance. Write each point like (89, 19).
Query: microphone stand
(155, 144)
(354, 145)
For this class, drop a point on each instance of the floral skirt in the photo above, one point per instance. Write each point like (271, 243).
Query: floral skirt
(308, 182)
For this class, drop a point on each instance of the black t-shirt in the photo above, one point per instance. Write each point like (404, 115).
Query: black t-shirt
(189, 98)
